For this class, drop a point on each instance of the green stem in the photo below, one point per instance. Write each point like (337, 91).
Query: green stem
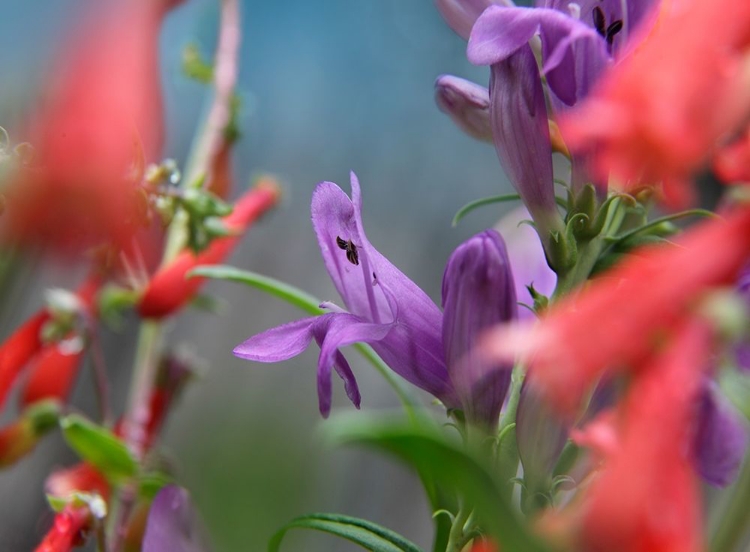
(457, 536)
(734, 518)
(507, 452)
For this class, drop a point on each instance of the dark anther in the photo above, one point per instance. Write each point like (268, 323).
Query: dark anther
(600, 23)
(351, 250)
(612, 30)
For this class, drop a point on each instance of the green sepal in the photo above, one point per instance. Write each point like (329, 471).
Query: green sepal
(541, 301)
(586, 201)
(194, 66)
(43, 416)
(112, 303)
(204, 204)
(99, 446)
(366, 534)
(562, 252)
(95, 503)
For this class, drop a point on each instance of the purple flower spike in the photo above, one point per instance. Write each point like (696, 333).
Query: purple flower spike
(721, 439)
(461, 14)
(478, 293)
(383, 308)
(468, 104)
(172, 524)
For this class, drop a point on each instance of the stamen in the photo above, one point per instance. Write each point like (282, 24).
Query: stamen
(600, 22)
(612, 30)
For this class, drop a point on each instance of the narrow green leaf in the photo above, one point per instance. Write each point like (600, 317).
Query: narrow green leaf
(443, 462)
(656, 222)
(472, 205)
(290, 294)
(368, 535)
(99, 446)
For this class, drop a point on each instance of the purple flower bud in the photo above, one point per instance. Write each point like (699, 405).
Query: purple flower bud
(720, 439)
(468, 104)
(461, 14)
(172, 524)
(478, 293)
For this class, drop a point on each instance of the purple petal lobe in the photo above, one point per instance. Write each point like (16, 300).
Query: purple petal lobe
(499, 33)
(172, 524)
(468, 104)
(277, 344)
(333, 331)
(478, 293)
(721, 439)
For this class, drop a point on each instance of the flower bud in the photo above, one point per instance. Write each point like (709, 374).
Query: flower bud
(478, 293)
(468, 104)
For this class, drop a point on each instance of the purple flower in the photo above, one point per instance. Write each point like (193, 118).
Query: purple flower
(478, 293)
(391, 313)
(172, 524)
(721, 439)
(468, 104)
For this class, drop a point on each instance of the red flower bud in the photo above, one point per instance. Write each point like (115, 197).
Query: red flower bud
(16, 351)
(168, 290)
(68, 530)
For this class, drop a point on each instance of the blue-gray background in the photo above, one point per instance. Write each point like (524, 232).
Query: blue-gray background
(328, 86)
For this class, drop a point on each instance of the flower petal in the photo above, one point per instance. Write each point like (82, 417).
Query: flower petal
(280, 343)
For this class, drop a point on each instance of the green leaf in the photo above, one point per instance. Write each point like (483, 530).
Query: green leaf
(99, 446)
(368, 535)
(471, 206)
(274, 287)
(449, 466)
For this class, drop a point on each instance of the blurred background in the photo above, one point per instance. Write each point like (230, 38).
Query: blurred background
(327, 87)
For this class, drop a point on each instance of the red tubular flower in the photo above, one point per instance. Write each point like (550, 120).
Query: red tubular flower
(658, 114)
(52, 374)
(52, 370)
(18, 349)
(169, 290)
(617, 320)
(104, 108)
(68, 530)
(646, 496)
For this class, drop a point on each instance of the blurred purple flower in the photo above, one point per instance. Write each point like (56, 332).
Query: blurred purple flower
(391, 313)
(721, 438)
(172, 524)
(468, 104)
